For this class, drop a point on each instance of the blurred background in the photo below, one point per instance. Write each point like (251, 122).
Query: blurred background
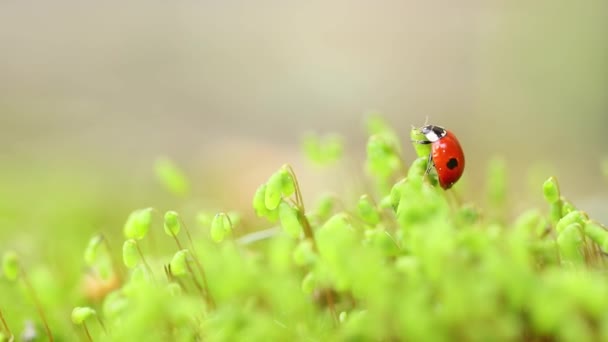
(92, 93)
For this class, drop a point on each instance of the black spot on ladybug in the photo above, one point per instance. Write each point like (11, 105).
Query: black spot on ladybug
(452, 163)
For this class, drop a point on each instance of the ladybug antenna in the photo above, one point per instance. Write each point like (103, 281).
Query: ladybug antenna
(426, 121)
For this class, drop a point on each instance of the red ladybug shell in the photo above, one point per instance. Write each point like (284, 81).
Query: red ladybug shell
(446, 154)
(448, 158)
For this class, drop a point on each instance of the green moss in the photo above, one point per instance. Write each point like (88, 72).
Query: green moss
(406, 261)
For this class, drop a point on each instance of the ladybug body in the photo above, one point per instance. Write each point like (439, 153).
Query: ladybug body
(446, 154)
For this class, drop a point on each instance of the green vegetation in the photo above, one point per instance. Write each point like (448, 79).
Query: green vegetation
(407, 261)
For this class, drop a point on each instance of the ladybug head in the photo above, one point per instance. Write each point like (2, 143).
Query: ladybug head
(433, 133)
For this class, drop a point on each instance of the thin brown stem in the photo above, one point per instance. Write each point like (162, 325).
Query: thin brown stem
(167, 270)
(179, 245)
(296, 186)
(116, 265)
(329, 298)
(198, 264)
(37, 303)
(308, 232)
(196, 283)
(204, 289)
(86, 330)
(172, 278)
(103, 326)
(5, 325)
(187, 233)
(143, 260)
(587, 255)
(182, 285)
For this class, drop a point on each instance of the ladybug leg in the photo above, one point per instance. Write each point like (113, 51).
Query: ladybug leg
(429, 165)
(422, 142)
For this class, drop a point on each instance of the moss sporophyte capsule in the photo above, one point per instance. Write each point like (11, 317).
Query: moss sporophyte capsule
(10, 265)
(138, 223)
(130, 255)
(220, 227)
(289, 219)
(172, 224)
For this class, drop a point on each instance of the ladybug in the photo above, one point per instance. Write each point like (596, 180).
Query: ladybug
(446, 154)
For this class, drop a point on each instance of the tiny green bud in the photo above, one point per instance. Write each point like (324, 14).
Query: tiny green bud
(220, 227)
(422, 150)
(172, 223)
(332, 148)
(533, 222)
(324, 206)
(259, 205)
(304, 254)
(81, 314)
(309, 283)
(567, 207)
(288, 185)
(569, 241)
(130, 254)
(139, 275)
(10, 265)
(551, 190)
(312, 148)
(376, 125)
(418, 168)
(179, 263)
(289, 219)
(322, 150)
(92, 250)
(367, 211)
(138, 223)
(382, 240)
(598, 234)
(380, 157)
(386, 202)
(259, 201)
(274, 190)
(395, 194)
(171, 177)
(336, 222)
(570, 218)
